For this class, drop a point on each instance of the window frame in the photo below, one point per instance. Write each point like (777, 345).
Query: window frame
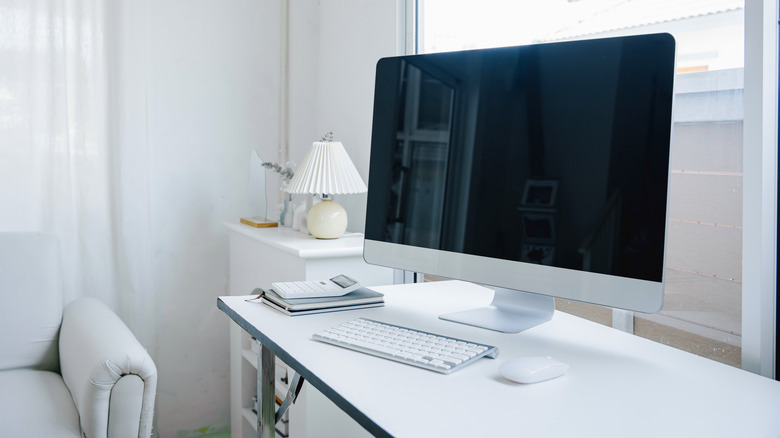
(759, 209)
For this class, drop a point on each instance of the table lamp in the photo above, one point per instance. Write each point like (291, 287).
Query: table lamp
(326, 171)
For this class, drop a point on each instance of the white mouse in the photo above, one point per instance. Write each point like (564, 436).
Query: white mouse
(532, 369)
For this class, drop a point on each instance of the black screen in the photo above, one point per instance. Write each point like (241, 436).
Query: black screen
(555, 154)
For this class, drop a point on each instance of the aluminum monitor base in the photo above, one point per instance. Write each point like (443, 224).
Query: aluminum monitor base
(511, 311)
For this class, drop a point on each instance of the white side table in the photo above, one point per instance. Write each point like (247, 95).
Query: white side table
(259, 257)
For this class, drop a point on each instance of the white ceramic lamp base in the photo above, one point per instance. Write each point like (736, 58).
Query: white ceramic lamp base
(327, 220)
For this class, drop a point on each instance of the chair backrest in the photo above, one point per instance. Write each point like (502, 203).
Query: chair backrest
(30, 300)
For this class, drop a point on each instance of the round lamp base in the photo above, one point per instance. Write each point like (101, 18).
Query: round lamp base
(327, 220)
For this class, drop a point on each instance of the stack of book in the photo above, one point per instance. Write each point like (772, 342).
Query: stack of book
(358, 299)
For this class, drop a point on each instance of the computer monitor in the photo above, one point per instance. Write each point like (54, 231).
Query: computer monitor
(540, 170)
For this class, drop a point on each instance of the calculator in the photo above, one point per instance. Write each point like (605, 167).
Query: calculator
(334, 287)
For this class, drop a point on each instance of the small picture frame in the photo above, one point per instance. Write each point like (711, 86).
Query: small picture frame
(538, 228)
(540, 193)
(538, 254)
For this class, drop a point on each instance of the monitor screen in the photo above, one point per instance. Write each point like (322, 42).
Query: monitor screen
(540, 168)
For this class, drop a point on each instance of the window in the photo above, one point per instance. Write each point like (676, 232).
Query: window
(703, 304)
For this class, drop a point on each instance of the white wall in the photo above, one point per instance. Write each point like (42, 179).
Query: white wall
(211, 99)
(213, 96)
(334, 47)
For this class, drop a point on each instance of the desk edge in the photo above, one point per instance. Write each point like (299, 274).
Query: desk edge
(307, 375)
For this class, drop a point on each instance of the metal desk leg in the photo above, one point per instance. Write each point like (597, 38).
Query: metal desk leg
(292, 395)
(266, 421)
(268, 416)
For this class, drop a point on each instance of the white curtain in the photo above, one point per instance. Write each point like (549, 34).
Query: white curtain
(72, 143)
(126, 127)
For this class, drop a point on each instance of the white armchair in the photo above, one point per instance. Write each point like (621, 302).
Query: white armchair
(70, 372)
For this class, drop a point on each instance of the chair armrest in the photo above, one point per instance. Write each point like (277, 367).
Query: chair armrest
(96, 351)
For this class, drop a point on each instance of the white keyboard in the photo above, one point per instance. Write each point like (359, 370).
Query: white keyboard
(413, 347)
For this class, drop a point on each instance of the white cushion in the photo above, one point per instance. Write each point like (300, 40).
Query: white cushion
(36, 404)
(31, 306)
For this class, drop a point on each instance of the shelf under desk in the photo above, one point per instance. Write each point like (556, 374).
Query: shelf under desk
(618, 384)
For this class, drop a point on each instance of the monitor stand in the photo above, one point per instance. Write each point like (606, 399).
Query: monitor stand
(511, 311)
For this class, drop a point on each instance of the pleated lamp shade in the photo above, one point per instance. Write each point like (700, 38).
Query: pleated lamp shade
(326, 169)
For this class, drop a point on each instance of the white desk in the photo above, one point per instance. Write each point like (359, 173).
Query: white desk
(618, 384)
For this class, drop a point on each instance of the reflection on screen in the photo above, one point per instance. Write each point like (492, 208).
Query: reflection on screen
(511, 153)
